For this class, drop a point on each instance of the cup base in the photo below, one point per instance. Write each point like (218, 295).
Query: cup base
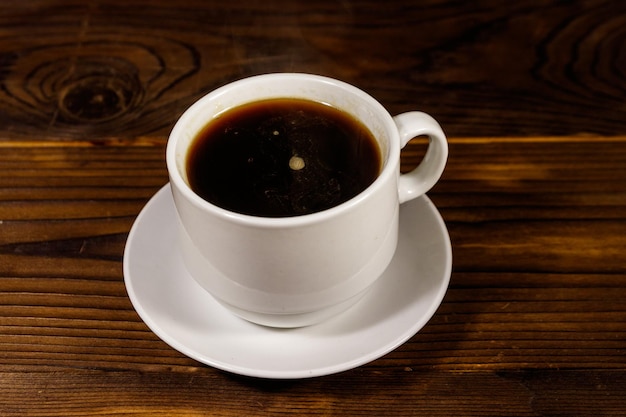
(294, 320)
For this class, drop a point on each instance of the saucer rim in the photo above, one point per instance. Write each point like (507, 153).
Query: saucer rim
(360, 359)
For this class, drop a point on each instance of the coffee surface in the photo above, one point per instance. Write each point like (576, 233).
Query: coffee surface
(281, 158)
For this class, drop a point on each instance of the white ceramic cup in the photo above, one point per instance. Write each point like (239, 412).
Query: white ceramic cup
(297, 271)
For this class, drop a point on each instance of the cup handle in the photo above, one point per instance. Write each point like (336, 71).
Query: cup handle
(417, 182)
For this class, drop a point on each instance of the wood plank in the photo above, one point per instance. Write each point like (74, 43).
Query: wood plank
(390, 392)
(90, 71)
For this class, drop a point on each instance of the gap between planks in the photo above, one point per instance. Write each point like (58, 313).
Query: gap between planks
(160, 141)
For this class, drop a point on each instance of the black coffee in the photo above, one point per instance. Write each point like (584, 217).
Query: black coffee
(281, 158)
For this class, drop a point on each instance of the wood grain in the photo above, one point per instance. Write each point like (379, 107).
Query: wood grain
(398, 392)
(74, 70)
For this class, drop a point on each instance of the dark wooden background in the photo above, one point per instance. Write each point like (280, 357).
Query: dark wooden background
(90, 70)
(531, 93)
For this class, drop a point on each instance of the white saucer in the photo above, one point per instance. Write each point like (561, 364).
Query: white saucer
(187, 318)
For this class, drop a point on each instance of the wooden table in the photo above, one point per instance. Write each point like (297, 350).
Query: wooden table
(533, 98)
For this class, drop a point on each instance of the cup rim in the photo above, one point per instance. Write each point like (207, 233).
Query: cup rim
(388, 168)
